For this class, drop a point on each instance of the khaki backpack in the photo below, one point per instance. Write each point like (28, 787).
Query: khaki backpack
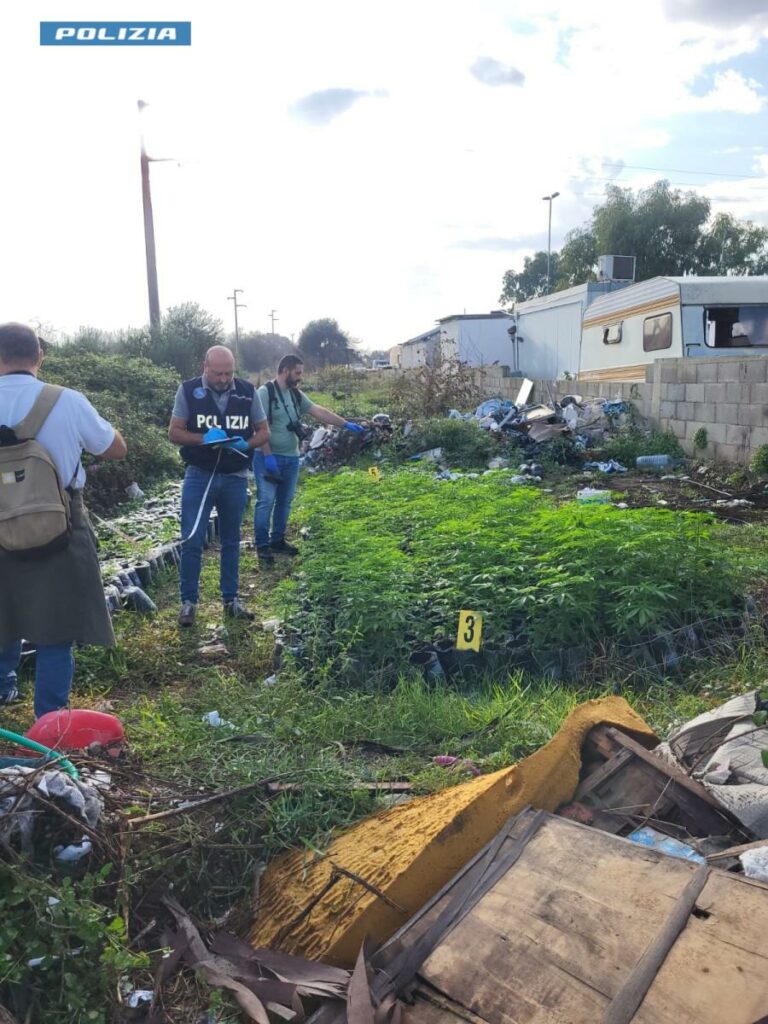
(34, 507)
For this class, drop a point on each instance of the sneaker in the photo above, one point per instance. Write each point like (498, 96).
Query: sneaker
(266, 558)
(282, 547)
(237, 610)
(187, 613)
(12, 696)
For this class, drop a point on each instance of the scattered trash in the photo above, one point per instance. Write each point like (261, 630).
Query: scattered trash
(456, 763)
(665, 844)
(498, 463)
(611, 466)
(593, 496)
(74, 852)
(214, 719)
(654, 461)
(432, 455)
(755, 863)
(139, 997)
(79, 729)
(134, 491)
(271, 680)
(271, 625)
(213, 652)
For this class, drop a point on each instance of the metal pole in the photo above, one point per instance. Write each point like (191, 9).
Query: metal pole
(238, 305)
(273, 318)
(149, 236)
(548, 199)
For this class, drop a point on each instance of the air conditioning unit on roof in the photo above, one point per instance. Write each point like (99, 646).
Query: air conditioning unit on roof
(616, 268)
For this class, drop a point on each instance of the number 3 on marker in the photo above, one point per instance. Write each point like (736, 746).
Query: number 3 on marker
(375, 473)
(470, 631)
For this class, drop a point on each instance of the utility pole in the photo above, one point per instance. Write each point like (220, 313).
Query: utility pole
(149, 235)
(548, 199)
(273, 319)
(237, 305)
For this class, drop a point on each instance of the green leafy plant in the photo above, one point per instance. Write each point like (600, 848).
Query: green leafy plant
(700, 439)
(759, 463)
(464, 444)
(391, 564)
(63, 952)
(628, 445)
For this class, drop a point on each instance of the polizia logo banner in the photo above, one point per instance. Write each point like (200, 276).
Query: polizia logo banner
(115, 33)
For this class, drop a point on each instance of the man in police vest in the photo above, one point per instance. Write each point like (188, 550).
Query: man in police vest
(218, 420)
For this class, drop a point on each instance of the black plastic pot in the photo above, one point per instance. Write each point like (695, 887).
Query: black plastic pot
(144, 573)
(429, 663)
(137, 601)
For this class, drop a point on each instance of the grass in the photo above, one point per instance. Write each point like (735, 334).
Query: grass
(320, 736)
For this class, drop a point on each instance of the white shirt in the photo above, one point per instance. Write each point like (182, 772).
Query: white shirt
(73, 425)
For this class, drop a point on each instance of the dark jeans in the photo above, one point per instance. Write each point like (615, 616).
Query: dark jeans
(273, 502)
(229, 494)
(54, 669)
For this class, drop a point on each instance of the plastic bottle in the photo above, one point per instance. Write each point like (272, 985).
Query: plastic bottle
(653, 461)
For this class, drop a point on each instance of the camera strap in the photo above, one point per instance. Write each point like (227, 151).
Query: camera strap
(274, 390)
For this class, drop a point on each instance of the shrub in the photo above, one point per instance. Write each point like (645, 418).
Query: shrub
(434, 389)
(136, 396)
(464, 444)
(759, 463)
(700, 439)
(627, 446)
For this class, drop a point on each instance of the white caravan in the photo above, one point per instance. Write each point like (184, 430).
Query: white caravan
(665, 317)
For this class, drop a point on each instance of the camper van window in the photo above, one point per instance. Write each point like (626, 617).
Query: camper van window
(737, 326)
(612, 334)
(657, 332)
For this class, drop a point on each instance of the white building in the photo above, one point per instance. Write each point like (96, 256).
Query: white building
(478, 339)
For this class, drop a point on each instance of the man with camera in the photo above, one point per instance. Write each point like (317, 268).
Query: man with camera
(276, 464)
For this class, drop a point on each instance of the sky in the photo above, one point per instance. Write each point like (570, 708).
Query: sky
(381, 164)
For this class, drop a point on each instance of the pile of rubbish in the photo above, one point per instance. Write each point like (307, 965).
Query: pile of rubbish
(330, 447)
(587, 423)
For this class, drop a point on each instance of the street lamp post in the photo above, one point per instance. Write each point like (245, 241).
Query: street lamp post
(548, 199)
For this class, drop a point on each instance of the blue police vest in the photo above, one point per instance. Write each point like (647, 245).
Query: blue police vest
(204, 414)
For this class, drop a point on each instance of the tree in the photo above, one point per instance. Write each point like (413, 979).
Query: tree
(532, 279)
(186, 332)
(668, 231)
(263, 351)
(323, 343)
(731, 246)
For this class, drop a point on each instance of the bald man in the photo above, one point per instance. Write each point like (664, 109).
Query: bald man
(217, 421)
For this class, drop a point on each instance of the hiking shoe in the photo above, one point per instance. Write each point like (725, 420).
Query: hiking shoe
(187, 613)
(266, 558)
(237, 610)
(282, 547)
(12, 696)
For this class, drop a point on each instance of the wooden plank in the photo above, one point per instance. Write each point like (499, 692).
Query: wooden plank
(624, 1004)
(717, 970)
(405, 965)
(559, 930)
(735, 851)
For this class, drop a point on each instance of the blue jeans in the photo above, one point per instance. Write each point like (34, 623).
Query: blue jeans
(273, 501)
(54, 670)
(229, 494)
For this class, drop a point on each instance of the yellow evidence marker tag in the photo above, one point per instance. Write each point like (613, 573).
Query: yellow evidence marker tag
(470, 631)
(374, 472)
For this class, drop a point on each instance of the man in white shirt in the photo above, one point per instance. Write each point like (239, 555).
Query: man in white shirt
(56, 601)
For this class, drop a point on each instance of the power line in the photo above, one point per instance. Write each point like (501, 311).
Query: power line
(677, 170)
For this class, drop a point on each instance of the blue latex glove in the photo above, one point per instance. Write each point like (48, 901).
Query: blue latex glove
(271, 466)
(214, 434)
(240, 445)
(354, 427)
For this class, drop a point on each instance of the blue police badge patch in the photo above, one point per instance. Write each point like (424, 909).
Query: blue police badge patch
(199, 393)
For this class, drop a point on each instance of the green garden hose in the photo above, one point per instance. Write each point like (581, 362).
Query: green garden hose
(63, 763)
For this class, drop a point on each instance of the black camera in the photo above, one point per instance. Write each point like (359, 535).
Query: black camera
(303, 433)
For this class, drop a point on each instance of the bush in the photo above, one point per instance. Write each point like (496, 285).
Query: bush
(463, 442)
(759, 463)
(434, 389)
(626, 447)
(136, 397)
